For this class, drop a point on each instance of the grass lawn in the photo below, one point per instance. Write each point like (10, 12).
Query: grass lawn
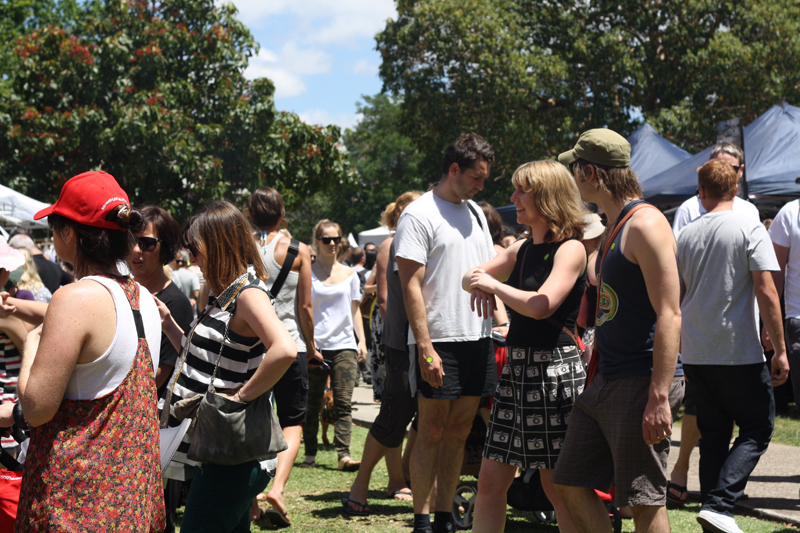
(787, 430)
(314, 499)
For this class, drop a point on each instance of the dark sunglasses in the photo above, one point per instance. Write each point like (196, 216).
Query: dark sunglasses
(192, 248)
(147, 244)
(329, 240)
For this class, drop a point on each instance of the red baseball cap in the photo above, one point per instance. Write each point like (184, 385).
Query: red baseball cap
(88, 198)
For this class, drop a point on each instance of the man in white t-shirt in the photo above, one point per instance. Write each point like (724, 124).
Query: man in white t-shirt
(439, 236)
(688, 212)
(785, 235)
(692, 208)
(725, 260)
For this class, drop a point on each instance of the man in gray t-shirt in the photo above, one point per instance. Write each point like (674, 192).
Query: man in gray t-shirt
(725, 260)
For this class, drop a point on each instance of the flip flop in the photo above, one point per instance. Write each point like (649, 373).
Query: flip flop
(350, 466)
(307, 464)
(350, 511)
(277, 518)
(683, 494)
(403, 492)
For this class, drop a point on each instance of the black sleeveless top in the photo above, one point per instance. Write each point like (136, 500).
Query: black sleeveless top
(529, 332)
(626, 321)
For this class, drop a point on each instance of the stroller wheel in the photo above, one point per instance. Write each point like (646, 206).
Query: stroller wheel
(463, 505)
(546, 517)
(616, 518)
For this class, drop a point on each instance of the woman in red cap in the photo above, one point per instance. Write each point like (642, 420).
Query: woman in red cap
(86, 384)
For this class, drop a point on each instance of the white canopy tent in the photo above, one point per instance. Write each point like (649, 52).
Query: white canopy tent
(376, 236)
(16, 209)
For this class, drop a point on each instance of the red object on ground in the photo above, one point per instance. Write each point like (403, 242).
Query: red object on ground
(10, 484)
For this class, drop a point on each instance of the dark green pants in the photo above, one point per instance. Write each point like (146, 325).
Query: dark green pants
(344, 367)
(220, 497)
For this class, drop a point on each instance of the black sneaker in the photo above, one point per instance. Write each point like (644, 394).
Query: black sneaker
(446, 527)
(424, 530)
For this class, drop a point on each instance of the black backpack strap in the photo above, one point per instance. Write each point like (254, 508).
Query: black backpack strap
(475, 212)
(291, 254)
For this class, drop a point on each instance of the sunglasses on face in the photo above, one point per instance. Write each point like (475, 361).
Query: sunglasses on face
(147, 244)
(329, 240)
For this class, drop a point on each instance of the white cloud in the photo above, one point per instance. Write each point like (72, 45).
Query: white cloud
(287, 67)
(364, 67)
(322, 117)
(323, 21)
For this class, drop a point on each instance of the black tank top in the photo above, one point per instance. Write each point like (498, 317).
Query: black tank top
(529, 332)
(625, 322)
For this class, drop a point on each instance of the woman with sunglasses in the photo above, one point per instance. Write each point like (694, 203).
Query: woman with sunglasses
(335, 295)
(238, 334)
(86, 383)
(156, 245)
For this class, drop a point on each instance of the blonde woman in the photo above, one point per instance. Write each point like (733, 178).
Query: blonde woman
(398, 406)
(30, 280)
(542, 278)
(335, 295)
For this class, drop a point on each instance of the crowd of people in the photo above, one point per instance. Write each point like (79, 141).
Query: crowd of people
(575, 342)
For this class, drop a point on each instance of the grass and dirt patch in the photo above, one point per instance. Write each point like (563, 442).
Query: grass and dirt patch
(314, 499)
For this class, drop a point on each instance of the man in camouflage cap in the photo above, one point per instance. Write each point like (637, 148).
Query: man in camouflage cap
(637, 336)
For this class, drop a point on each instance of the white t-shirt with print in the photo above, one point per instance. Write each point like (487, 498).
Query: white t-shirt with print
(447, 238)
(785, 231)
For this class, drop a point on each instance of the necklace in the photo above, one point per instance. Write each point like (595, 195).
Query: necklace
(329, 272)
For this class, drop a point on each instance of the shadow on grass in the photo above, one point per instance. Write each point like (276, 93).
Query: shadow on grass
(377, 502)
(776, 479)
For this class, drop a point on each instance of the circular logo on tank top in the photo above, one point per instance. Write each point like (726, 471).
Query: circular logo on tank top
(608, 303)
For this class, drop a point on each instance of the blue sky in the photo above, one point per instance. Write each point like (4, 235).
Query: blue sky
(319, 53)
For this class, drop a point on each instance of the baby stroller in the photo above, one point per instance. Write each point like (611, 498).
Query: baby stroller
(525, 493)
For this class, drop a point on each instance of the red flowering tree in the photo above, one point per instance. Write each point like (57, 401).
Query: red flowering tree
(153, 93)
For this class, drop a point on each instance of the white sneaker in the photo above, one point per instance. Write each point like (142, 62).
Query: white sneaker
(718, 522)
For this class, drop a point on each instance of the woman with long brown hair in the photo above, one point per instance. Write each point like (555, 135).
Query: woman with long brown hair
(398, 406)
(239, 333)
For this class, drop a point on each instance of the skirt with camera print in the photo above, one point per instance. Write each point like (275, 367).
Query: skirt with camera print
(532, 405)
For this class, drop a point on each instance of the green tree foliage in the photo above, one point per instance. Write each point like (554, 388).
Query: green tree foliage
(530, 75)
(18, 17)
(386, 164)
(153, 92)
(386, 161)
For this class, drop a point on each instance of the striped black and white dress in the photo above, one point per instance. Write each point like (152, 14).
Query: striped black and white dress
(239, 360)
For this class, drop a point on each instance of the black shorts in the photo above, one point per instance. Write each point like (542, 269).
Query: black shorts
(398, 406)
(469, 370)
(291, 393)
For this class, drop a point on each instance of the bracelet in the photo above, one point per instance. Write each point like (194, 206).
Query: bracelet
(504, 325)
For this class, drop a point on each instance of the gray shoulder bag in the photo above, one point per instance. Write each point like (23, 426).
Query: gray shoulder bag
(228, 432)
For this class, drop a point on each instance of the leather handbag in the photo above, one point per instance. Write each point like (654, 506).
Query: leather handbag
(228, 432)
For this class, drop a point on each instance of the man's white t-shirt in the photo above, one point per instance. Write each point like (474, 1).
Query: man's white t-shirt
(785, 231)
(692, 208)
(448, 240)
